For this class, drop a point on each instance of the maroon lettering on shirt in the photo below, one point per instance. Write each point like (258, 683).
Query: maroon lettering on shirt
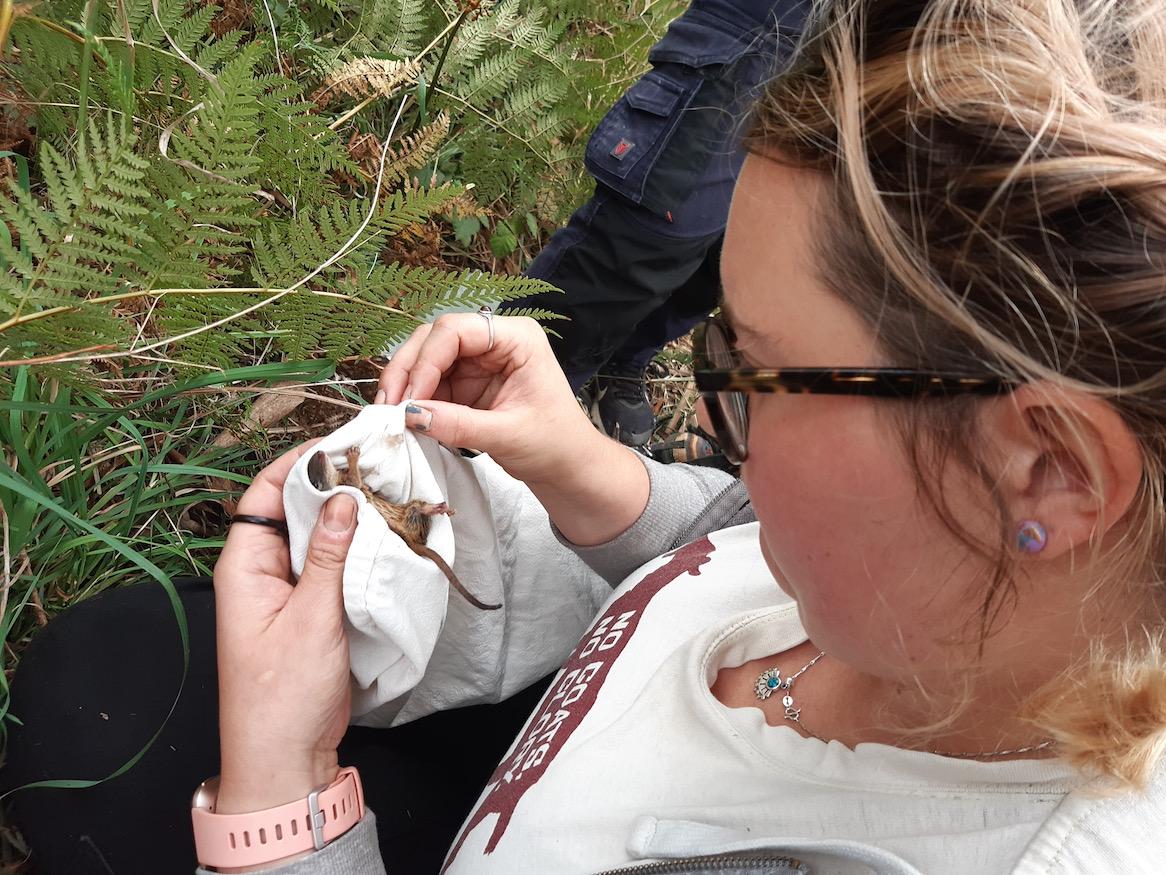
(570, 698)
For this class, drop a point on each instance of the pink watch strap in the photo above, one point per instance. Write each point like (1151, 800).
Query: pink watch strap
(227, 840)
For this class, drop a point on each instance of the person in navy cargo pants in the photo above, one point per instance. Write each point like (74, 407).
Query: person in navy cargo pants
(639, 261)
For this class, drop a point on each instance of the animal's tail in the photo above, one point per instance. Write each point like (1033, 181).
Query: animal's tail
(430, 553)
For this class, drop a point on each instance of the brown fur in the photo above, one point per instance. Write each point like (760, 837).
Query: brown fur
(409, 520)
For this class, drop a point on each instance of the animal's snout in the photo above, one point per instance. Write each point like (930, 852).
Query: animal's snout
(321, 471)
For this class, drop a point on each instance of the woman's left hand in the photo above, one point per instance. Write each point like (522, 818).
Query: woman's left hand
(284, 700)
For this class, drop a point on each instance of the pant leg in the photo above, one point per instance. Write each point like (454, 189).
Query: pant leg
(616, 270)
(627, 251)
(90, 690)
(97, 682)
(667, 156)
(686, 308)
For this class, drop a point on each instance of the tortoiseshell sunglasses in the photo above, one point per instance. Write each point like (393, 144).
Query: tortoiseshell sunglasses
(723, 385)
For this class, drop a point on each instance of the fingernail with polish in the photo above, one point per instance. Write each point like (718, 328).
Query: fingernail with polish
(421, 418)
(380, 397)
(339, 513)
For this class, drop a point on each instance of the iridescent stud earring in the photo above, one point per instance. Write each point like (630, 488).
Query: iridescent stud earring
(1031, 537)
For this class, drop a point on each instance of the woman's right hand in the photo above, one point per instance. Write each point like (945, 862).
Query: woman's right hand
(511, 400)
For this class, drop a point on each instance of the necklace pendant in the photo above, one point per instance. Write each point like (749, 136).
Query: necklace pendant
(768, 683)
(791, 713)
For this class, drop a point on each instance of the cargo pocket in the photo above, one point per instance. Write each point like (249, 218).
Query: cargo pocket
(628, 140)
(701, 40)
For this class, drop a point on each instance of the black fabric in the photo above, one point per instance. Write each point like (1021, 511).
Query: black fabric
(97, 682)
(638, 262)
(619, 274)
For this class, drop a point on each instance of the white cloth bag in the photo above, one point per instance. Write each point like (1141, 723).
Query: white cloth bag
(416, 646)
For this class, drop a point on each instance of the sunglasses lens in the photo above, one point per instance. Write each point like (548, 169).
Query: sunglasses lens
(731, 415)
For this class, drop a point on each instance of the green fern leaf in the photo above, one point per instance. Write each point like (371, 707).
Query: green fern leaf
(87, 239)
(536, 313)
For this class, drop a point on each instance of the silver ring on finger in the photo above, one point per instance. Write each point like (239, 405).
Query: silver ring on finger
(487, 313)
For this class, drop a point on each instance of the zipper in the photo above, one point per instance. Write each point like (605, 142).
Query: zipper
(709, 864)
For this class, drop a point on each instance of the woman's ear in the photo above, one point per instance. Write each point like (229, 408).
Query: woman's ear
(1066, 459)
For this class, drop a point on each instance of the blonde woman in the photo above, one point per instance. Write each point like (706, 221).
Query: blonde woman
(942, 361)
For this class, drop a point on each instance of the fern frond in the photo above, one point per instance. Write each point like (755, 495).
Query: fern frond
(407, 155)
(217, 148)
(493, 76)
(396, 26)
(546, 127)
(223, 173)
(150, 29)
(138, 11)
(203, 227)
(427, 290)
(365, 77)
(354, 328)
(287, 251)
(220, 138)
(47, 74)
(214, 54)
(179, 314)
(527, 100)
(505, 16)
(302, 318)
(471, 44)
(87, 237)
(536, 313)
(189, 30)
(412, 205)
(295, 144)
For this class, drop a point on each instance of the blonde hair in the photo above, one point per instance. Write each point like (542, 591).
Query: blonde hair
(1005, 162)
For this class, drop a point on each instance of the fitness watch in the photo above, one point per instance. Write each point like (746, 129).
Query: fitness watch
(258, 837)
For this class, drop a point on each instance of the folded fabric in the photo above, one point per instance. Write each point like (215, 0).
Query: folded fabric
(416, 646)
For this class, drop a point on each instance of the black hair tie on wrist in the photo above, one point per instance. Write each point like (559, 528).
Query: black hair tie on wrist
(279, 525)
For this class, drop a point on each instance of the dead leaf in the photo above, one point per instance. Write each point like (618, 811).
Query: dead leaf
(270, 407)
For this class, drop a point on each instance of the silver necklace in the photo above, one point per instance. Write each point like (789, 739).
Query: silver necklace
(770, 682)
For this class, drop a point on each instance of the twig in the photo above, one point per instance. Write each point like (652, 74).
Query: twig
(453, 29)
(38, 608)
(53, 26)
(51, 359)
(206, 74)
(274, 38)
(352, 112)
(437, 39)
(160, 293)
(83, 76)
(256, 390)
(681, 409)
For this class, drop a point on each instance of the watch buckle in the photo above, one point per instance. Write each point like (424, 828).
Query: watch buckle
(316, 819)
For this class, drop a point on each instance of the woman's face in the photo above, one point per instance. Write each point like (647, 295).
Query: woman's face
(880, 582)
